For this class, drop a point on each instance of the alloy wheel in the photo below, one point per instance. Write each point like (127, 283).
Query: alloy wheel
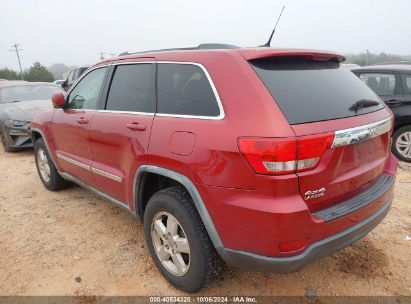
(43, 165)
(170, 243)
(403, 144)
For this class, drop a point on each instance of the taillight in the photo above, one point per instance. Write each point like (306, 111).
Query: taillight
(285, 155)
(311, 148)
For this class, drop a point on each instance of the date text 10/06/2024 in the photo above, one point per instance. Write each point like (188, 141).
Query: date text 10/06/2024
(205, 299)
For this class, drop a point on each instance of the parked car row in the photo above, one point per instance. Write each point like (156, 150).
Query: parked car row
(19, 102)
(261, 158)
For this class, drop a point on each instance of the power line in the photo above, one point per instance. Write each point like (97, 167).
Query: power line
(17, 50)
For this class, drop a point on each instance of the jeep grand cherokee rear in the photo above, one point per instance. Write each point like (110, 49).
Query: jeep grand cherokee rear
(266, 158)
(323, 187)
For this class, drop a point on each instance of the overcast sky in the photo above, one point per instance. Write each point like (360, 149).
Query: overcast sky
(74, 31)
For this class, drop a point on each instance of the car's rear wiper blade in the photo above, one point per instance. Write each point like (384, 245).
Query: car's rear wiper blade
(363, 103)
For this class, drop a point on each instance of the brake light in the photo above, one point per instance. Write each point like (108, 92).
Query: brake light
(285, 155)
(311, 148)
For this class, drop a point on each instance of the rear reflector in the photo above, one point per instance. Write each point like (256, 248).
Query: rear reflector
(292, 246)
(285, 155)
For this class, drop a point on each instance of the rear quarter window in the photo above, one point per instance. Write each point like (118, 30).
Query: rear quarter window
(308, 90)
(184, 89)
(407, 83)
(381, 83)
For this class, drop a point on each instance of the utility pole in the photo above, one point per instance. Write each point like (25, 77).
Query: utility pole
(101, 55)
(112, 55)
(17, 50)
(367, 52)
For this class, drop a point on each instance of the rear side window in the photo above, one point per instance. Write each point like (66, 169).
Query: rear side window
(184, 89)
(308, 90)
(407, 83)
(382, 84)
(132, 88)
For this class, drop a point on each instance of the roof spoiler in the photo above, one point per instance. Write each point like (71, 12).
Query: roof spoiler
(259, 53)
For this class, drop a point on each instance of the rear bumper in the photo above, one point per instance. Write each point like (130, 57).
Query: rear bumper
(255, 227)
(317, 250)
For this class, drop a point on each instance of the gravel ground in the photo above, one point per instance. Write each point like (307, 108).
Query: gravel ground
(73, 243)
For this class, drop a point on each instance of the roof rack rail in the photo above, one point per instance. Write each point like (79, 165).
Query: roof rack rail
(203, 46)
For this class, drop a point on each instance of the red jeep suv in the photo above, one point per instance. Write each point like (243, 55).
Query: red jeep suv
(262, 158)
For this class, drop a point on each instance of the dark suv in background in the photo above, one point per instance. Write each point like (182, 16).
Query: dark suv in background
(72, 77)
(393, 84)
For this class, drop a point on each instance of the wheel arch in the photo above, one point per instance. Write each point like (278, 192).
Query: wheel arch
(402, 125)
(36, 134)
(178, 178)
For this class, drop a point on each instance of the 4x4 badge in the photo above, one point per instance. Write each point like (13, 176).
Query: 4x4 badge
(314, 194)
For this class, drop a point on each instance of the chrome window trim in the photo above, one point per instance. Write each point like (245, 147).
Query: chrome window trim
(107, 175)
(111, 111)
(202, 67)
(213, 88)
(126, 112)
(363, 133)
(90, 168)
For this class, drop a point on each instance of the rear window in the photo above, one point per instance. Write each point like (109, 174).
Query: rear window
(309, 90)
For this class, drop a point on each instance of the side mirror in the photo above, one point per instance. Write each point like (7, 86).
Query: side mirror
(58, 100)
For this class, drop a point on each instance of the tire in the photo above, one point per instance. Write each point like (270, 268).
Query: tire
(401, 143)
(48, 174)
(5, 143)
(204, 264)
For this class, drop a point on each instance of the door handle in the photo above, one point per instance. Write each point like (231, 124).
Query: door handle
(82, 120)
(393, 102)
(135, 126)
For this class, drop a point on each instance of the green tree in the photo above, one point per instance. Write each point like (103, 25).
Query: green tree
(38, 72)
(9, 74)
(372, 58)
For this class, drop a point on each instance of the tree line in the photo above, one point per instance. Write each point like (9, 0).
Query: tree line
(37, 72)
(367, 58)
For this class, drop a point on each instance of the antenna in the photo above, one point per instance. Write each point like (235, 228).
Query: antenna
(272, 33)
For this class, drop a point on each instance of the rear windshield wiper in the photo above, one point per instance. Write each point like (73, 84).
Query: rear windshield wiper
(363, 103)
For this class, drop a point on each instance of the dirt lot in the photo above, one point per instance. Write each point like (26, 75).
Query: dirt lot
(73, 243)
